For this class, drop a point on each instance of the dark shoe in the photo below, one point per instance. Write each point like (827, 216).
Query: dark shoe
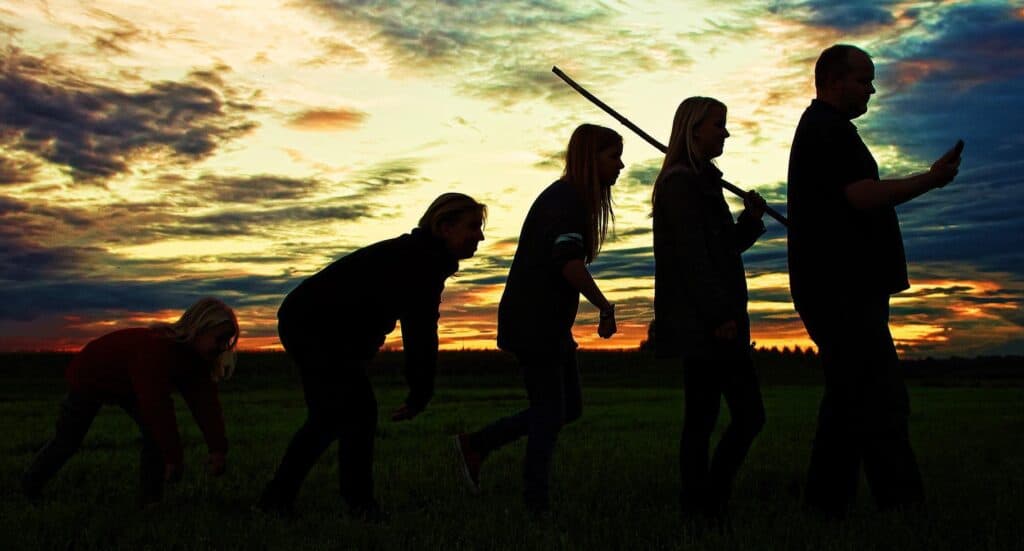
(369, 512)
(469, 461)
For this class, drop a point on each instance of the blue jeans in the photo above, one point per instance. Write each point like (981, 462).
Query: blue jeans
(552, 383)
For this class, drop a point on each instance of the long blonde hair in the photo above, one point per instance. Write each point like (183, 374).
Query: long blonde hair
(587, 141)
(690, 113)
(206, 313)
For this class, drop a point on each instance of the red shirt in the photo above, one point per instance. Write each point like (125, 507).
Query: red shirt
(143, 364)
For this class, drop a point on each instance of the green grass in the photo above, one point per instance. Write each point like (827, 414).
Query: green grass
(615, 477)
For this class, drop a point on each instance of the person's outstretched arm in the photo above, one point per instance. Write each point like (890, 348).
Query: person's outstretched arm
(870, 194)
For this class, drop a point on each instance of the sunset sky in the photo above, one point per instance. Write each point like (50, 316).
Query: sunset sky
(155, 152)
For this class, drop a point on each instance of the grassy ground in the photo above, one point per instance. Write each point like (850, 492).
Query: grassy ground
(615, 477)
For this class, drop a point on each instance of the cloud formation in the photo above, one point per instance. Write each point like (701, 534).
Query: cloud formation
(850, 15)
(327, 119)
(503, 51)
(95, 130)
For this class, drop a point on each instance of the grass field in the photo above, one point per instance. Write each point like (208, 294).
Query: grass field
(615, 480)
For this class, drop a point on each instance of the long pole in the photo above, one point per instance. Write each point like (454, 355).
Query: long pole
(661, 147)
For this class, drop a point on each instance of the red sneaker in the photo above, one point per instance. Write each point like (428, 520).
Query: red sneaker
(470, 461)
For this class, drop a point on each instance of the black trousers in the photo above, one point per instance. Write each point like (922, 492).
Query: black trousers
(342, 408)
(721, 370)
(552, 383)
(77, 412)
(864, 413)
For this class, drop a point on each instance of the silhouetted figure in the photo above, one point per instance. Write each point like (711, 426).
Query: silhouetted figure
(845, 259)
(700, 301)
(562, 233)
(334, 322)
(136, 370)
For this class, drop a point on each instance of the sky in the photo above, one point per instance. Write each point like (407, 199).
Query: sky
(155, 152)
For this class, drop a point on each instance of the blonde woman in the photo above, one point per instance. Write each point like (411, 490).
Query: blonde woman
(563, 232)
(136, 370)
(332, 324)
(700, 301)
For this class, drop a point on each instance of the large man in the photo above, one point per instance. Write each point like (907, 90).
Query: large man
(845, 260)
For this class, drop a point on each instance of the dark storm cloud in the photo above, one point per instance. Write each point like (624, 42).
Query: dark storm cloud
(95, 130)
(22, 261)
(257, 189)
(849, 15)
(624, 263)
(257, 221)
(17, 170)
(25, 301)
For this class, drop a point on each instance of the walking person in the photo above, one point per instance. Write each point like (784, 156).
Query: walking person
(136, 370)
(700, 302)
(334, 322)
(563, 232)
(845, 259)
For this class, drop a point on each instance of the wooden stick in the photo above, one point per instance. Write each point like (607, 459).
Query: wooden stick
(647, 137)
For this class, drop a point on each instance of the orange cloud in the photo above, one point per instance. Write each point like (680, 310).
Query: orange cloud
(910, 72)
(327, 119)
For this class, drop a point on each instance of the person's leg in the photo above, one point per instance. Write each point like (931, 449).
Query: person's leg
(889, 462)
(358, 421)
(473, 448)
(572, 389)
(499, 433)
(836, 453)
(545, 379)
(743, 396)
(76, 414)
(702, 401)
(513, 427)
(151, 458)
(320, 430)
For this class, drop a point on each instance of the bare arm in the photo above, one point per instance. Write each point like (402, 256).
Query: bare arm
(870, 194)
(576, 273)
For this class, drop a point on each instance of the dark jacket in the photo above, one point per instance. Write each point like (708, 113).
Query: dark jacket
(699, 281)
(351, 305)
(145, 365)
(538, 306)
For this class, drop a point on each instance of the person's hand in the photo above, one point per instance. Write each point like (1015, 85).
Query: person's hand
(217, 463)
(404, 413)
(947, 166)
(754, 204)
(726, 331)
(173, 472)
(606, 327)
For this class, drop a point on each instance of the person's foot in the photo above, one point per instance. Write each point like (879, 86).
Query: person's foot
(369, 512)
(469, 461)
